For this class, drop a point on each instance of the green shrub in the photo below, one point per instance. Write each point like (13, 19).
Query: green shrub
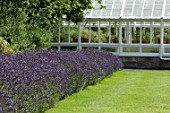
(74, 35)
(22, 34)
(94, 36)
(5, 47)
(26, 37)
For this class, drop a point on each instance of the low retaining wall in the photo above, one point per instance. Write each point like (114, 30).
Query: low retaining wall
(145, 63)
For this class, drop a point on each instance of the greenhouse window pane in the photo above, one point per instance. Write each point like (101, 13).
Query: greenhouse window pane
(97, 6)
(127, 13)
(167, 12)
(96, 13)
(141, 8)
(147, 13)
(109, 6)
(138, 7)
(108, 1)
(118, 6)
(116, 13)
(167, 6)
(159, 1)
(106, 13)
(127, 10)
(167, 16)
(129, 1)
(139, 1)
(149, 1)
(148, 6)
(128, 6)
(119, 1)
(137, 13)
(168, 2)
(157, 6)
(157, 13)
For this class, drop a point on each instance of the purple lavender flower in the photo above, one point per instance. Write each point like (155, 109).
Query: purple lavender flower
(30, 80)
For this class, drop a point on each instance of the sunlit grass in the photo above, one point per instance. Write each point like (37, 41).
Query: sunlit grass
(127, 91)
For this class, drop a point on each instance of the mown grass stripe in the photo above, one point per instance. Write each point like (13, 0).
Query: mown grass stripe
(127, 91)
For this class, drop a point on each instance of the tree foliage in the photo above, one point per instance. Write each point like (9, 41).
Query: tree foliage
(25, 24)
(49, 11)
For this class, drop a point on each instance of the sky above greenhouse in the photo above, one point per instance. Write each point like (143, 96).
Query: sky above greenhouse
(131, 9)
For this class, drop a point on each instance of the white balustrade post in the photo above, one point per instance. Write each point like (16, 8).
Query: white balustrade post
(125, 32)
(141, 24)
(79, 37)
(116, 29)
(151, 32)
(120, 36)
(109, 34)
(59, 31)
(99, 36)
(162, 38)
(89, 32)
(69, 22)
(129, 32)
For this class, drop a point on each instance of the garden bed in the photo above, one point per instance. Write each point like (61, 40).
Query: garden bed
(33, 81)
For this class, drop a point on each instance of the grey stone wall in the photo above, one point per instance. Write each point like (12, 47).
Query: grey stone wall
(145, 63)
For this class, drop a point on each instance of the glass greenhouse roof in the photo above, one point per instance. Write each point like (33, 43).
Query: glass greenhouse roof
(131, 9)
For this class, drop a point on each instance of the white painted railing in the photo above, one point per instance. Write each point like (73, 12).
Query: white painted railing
(121, 49)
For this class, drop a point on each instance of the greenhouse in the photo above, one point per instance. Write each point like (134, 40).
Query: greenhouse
(123, 27)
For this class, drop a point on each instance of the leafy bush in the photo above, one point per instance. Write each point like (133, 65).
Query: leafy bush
(5, 47)
(21, 34)
(26, 37)
(34, 80)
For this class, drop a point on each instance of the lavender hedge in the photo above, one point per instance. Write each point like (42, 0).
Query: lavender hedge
(33, 81)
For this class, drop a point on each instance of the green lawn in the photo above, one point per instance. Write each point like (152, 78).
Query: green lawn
(127, 91)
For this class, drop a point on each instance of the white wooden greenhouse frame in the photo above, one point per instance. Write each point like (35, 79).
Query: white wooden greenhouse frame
(127, 15)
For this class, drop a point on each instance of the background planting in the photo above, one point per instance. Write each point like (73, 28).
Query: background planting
(33, 81)
(31, 24)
